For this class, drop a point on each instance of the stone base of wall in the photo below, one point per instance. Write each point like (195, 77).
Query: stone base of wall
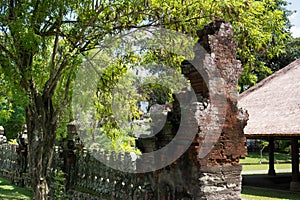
(73, 194)
(83, 193)
(220, 182)
(6, 174)
(23, 181)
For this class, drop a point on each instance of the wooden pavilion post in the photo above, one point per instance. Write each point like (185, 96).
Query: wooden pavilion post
(295, 184)
(271, 157)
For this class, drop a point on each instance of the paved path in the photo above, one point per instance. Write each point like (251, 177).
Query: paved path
(266, 171)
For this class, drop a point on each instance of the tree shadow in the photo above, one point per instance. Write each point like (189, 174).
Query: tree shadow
(269, 193)
(9, 191)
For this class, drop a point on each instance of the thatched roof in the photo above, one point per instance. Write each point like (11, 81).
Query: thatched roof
(274, 104)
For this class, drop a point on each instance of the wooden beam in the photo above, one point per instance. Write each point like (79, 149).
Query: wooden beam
(295, 184)
(295, 160)
(271, 157)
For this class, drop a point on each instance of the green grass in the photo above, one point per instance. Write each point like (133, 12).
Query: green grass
(254, 157)
(250, 193)
(9, 191)
(266, 167)
(251, 162)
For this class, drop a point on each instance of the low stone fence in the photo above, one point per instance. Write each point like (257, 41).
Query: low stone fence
(8, 156)
(85, 176)
(10, 165)
(92, 176)
(8, 161)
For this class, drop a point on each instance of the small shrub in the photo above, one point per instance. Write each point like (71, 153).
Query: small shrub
(59, 185)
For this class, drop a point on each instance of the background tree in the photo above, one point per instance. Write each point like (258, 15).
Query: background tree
(43, 43)
(292, 53)
(5, 103)
(262, 145)
(116, 103)
(5, 109)
(261, 29)
(13, 125)
(12, 115)
(266, 64)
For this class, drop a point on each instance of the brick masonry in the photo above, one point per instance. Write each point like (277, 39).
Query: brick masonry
(218, 174)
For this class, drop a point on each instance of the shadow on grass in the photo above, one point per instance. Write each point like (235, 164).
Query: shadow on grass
(279, 182)
(9, 191)
(266, 193)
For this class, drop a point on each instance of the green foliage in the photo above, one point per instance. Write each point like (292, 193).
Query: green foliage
(281, 5)
(119, 90)
(41, 42)
(284, 146)
(5, 103)
(42, 48)
(13, 125)
(281, 51)
(59, 185)
(12, 115)
(262, 143)
(156, 93)
(259, 39)
(292, 53)
(261, 28)
(5, 109)
(161, 82)
(116, 103)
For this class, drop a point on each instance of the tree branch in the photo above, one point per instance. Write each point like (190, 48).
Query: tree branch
(11, 55)
(66, 99)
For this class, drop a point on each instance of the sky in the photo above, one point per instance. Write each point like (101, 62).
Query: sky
(295, 18)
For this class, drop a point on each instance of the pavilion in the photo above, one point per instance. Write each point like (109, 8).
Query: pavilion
(273, 106)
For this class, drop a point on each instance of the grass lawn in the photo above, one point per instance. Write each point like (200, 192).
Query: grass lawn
(250, 193)
(252, 161)
(254, 157)
(266, 167)
(8, 191)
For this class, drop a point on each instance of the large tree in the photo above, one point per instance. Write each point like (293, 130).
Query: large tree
(43, 42)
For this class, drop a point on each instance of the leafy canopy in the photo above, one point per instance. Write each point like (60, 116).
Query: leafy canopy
(43, 42)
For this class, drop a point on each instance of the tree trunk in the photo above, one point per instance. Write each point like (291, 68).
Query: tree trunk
(41, 141)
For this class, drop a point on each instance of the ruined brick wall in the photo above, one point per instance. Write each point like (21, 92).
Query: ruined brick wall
(231, 144)
(218, 174)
